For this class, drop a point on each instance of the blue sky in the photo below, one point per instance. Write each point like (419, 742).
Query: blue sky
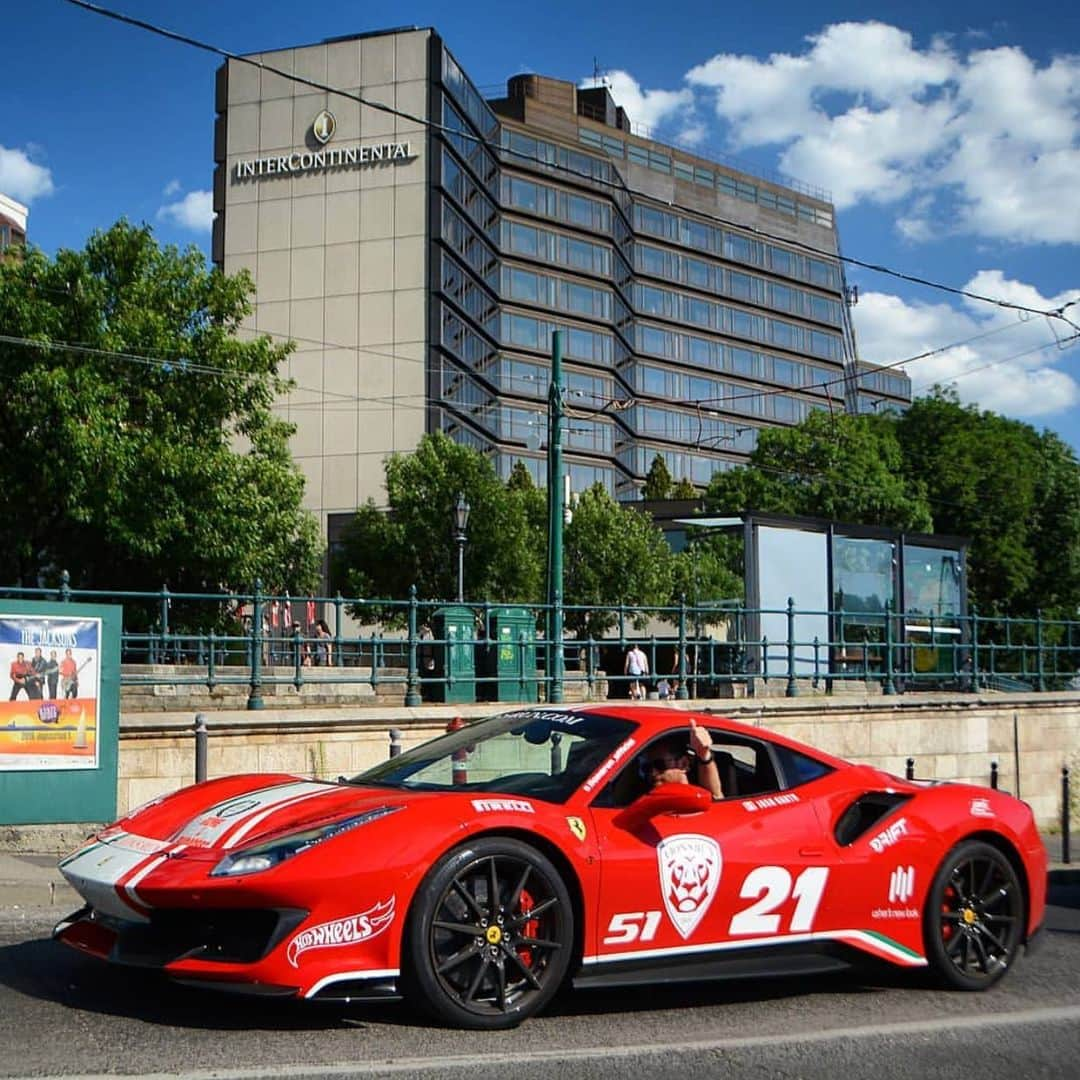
(948, 135)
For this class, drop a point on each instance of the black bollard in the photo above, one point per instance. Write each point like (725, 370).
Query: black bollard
(395, 741)
(1065, 814)
(909, 769)
(994, 775)
(202, 738)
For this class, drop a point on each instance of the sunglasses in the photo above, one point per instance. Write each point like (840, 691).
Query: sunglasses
(664, 762)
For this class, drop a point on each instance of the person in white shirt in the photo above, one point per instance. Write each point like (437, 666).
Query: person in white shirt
(636, 665)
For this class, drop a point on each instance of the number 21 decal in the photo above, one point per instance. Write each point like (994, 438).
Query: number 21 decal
(771, 886)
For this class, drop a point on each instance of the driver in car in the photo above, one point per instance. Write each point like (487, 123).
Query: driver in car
(670, 761)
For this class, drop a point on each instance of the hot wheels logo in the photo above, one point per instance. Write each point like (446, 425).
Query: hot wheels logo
(690, 867)
(347, 931)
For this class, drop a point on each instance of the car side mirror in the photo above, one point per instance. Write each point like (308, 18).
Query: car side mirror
(664, 799)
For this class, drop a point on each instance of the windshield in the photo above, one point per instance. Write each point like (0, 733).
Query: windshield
(543, 754)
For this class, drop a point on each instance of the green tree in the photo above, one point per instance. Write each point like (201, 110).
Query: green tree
(684, 489)
(140, 446)
(1056, 544)
(1013, 491)
(841, 467)
(658, 481)
(614, 555)
(520, 478)
(413, 543)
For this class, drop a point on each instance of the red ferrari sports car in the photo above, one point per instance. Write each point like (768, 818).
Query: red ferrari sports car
(477, 873)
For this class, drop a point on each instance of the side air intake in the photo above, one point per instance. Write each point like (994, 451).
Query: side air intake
(864, 813)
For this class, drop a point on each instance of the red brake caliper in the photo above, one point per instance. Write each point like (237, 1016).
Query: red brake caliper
(528, 929)
(947, 928)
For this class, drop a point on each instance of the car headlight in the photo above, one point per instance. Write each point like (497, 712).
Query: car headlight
(272, 853)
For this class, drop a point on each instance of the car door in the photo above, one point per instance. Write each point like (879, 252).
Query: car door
(747, 871)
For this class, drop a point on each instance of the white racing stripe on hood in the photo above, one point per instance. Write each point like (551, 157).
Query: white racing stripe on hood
(95, 872)
(241, 813)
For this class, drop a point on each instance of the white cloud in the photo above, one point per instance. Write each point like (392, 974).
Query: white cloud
(194, 211)
(1002, 360)
(871, 155)
(649, 108)
(990, 135)
(172, 188)
(21, 178)
(692, 135)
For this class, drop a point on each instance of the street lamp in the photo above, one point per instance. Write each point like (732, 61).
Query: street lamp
(461, 523)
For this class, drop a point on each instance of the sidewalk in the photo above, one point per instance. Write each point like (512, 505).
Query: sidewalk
(33, 881)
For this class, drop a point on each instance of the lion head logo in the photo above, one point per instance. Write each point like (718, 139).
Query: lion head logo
(690, 867)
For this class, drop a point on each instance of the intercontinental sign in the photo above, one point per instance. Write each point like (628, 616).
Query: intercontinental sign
(312, 160)
(337, 157)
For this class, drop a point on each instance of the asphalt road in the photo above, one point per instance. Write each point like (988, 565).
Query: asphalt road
(65, 1015)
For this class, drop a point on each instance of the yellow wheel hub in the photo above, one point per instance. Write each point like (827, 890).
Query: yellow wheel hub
(969, 916)
(494, 935)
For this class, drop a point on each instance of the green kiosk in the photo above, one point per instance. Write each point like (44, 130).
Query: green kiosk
(454, 654)
(507, 660)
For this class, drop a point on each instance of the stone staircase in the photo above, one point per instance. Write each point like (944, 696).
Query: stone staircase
(182, 688)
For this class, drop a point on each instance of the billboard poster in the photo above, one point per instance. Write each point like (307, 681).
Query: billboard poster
(49, 719)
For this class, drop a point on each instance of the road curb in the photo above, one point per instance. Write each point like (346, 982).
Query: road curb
(1064, 875)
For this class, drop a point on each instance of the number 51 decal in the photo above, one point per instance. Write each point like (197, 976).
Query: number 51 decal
(768, 886)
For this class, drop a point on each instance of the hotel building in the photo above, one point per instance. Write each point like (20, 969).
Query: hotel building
(13, 217)
(421, 248)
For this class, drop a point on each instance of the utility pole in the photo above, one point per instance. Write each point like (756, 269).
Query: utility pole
(555, 524)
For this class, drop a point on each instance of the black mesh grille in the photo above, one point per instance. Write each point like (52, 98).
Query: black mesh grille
(228, 935)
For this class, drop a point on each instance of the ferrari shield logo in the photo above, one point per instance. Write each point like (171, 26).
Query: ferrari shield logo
(690, 867)
(577, 827)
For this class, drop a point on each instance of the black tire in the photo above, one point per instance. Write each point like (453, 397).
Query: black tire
(974, 918)
(477, 964)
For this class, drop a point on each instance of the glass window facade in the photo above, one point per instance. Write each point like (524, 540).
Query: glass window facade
(687, 334)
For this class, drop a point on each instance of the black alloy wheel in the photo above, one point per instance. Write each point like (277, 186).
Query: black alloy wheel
(974, 918)
(490, 936)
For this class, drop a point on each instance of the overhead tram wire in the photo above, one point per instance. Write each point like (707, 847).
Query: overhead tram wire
(498, 151)
(344, 399)
(196, 368)
(842, 379)
(184, 366)
(1058, 343)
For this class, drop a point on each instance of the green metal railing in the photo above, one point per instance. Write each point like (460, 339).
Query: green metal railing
(227, 639)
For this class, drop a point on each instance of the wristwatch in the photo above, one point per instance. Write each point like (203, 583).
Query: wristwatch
(704, 760)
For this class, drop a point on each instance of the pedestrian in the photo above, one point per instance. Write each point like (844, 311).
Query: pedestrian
(675, 680)
(323, 649)
(636, 665)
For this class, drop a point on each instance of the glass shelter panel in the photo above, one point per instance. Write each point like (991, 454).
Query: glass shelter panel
(792, 563)
(932, 582)
(933, 605)
(864, 582)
